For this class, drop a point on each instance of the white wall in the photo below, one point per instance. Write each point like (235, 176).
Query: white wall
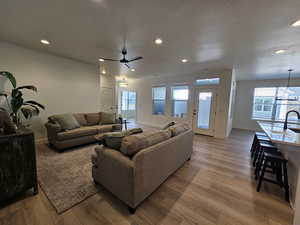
(244, 99)
(144, 99)
(63, 85)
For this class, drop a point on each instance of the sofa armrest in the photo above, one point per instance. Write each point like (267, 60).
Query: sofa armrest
(52, 130)
(115, 172)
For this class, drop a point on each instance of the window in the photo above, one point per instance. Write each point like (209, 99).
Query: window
(158, 100)
(180, 97)
(128, 100)
(271, 103)
(205, 82)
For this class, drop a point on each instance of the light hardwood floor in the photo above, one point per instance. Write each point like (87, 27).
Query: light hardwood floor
(215, 187)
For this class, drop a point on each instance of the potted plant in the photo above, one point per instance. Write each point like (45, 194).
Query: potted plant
(19, 108)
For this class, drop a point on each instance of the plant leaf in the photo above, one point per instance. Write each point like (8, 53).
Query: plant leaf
(10, 77)
(3, 94)
(35, 103)
(3, 109)
(29, 111)
(29, 87)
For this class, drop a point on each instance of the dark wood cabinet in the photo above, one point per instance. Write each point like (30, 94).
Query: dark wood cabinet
(17, 164)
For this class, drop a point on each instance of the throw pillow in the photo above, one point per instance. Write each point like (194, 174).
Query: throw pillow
(6, 123)
(66, 121)
(114, 140)
(178, 129)
(92, 118)
(108, 118)
(169, 125)
(80, 117)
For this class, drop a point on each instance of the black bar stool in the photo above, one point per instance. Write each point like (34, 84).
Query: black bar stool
(261, 144)
(257, 136)
(279, 165)
(261, 158)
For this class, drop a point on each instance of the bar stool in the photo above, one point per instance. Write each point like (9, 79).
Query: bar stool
(256, 138)
(261, 143)
(279, 165)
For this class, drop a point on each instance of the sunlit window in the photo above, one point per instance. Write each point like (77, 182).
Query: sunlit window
(158, 100)
(180, 97)
(273, 103)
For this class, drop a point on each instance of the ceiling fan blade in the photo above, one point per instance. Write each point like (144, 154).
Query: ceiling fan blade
(136, 58)
(127, 65)
(115, 60)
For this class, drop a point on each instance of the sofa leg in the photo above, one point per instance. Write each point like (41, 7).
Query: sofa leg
(131, 210)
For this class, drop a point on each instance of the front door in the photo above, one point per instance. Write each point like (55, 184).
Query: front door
(205, 111)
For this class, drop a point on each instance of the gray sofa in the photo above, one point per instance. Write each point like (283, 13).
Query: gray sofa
(133, 178)
(87, 132)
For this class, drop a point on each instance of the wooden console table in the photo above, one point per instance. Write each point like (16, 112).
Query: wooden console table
(17, 164)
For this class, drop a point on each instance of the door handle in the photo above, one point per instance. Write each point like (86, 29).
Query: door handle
(194, 112)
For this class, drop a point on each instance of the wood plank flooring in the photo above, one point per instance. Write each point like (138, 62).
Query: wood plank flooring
(216, 187)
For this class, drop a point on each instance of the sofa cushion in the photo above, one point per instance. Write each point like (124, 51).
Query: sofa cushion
(92, 118)
(80, 117)
(134, 143)
(104, 128)
(76, 133)
(108, 118)
(66, 121)
(178, 129)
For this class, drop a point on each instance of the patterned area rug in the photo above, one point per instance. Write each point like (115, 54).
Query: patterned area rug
(66, 178)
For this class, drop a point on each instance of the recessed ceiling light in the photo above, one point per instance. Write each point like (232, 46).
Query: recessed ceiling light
(296, 24)
(158, 41)
(45, 42)
(132, 70)
(280, 51)
(184, 60)
(103, 72)
(101, 60)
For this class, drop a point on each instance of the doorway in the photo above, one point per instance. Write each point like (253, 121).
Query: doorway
(205, 111)
(128, 104)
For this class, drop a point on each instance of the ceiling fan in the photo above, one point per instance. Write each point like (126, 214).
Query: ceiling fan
(123, 60)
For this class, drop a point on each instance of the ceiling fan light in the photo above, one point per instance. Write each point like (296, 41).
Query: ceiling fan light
(101, 60)
(45, 42)
(158, 41)
(184, 60)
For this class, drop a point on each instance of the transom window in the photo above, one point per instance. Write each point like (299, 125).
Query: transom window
(274, 102)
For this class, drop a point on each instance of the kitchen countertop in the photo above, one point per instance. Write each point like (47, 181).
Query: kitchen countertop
(277, 134)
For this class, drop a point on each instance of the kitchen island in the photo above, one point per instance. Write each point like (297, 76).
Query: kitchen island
(288, 142)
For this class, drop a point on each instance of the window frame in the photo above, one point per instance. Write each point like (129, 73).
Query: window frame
(274, 105)
(165, 99)
(173, 100)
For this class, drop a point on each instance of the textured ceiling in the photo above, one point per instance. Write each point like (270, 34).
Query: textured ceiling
(214, 34)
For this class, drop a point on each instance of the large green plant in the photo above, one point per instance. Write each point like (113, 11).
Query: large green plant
(17, 106)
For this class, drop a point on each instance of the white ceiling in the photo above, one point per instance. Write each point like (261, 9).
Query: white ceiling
(212, 34)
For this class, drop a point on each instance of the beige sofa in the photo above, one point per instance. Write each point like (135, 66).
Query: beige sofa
(134, 178)
(86, 133)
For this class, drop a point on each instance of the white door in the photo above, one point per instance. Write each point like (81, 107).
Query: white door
(205, 112)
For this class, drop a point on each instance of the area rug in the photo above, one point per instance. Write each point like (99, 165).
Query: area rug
(66, 177)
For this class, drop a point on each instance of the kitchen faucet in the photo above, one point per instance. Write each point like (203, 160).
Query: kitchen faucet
(286, 118)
